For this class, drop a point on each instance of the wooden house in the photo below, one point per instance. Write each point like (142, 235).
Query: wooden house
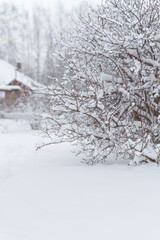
(15, 86)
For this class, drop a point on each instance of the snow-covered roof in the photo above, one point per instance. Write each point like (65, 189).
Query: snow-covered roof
(9, 88)
(7, 75)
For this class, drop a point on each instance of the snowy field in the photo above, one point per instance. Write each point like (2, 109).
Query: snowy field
(50, 195)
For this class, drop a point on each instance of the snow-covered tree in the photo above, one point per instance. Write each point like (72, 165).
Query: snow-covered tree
(109, 99)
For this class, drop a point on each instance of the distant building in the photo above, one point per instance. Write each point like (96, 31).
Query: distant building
(14, 85)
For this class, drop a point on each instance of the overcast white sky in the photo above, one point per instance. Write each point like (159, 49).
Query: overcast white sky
(51, 3)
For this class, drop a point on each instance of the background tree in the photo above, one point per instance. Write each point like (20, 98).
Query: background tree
(28, 37)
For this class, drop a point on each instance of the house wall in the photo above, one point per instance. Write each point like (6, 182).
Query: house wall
(25, 90)
(14, 96)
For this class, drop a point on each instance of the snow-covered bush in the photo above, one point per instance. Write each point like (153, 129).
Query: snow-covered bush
(109, 99)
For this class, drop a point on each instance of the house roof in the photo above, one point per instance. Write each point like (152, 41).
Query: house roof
(7, 75)
(9, 88)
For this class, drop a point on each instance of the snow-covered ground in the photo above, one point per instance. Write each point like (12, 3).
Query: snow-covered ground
(50, 195)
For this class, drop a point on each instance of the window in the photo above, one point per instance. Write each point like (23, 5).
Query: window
(2, 94)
